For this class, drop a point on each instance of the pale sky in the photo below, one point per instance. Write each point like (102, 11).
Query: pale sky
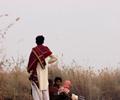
(87, 31)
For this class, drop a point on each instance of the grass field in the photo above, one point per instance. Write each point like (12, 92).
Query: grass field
(101, 85)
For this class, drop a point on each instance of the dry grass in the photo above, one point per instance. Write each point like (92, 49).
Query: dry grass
(103, 85)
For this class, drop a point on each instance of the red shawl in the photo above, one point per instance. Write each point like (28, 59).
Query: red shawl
(38, 54)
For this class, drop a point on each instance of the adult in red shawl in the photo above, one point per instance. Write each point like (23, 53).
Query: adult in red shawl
(38, 55)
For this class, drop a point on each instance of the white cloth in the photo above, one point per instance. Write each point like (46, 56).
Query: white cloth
(39, 94)
(42, 75)
(74, 97)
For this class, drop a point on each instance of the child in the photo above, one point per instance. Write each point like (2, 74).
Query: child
(65, 90)
(53, 88)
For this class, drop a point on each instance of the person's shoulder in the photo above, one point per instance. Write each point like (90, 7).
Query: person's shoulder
(46, 47)
(34, 47)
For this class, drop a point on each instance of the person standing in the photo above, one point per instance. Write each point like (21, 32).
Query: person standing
(38, 69)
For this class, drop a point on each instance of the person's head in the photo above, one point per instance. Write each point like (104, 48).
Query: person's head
(40, 40)
(67, 84)
(58, 81)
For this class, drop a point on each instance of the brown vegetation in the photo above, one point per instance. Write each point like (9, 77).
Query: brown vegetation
(103, 85)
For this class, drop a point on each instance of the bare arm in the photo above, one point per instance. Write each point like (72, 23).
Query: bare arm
(52, 59)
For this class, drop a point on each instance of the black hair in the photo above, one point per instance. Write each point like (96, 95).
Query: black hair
(58, 78)
(40, 39)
